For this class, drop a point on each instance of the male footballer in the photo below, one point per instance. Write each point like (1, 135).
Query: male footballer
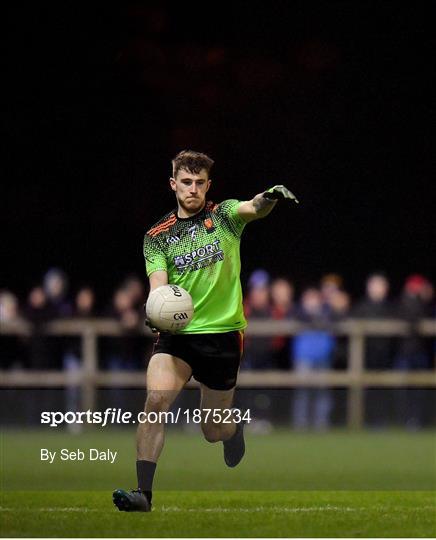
(196, 246)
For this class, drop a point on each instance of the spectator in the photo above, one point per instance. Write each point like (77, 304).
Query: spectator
(258, 350)
(132, 319)
(282, 298)
(413, 352)
(338, 306)
(258, 278)
(36, 308)
(84, 308)
(12, 352)
(426, 292)
(414, 305)
(55, 285)
(127, 351)
(84, 304)
(37, 312)
(378, 350)
(329, 285)
(122, 351)
(56, 288)
(312, 350)
(376, 305)
(8, 307)
(136, 290)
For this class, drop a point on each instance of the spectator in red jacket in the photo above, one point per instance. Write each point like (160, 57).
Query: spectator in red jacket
(282, 307)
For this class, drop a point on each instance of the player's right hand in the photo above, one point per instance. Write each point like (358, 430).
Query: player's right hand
(149, 324)
(152, 328)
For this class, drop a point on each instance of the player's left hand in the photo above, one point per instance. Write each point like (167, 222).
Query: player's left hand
(279, 192)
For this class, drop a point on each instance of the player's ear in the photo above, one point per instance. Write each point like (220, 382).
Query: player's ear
(173, 183)
(209, 182)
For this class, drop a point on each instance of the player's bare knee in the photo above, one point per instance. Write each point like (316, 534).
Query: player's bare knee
(157, 402)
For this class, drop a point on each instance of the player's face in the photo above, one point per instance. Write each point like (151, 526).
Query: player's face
(190, 189)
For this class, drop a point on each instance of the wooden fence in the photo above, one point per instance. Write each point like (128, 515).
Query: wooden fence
(355, 378)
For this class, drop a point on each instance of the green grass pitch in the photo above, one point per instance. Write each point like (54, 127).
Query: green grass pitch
(290, 484)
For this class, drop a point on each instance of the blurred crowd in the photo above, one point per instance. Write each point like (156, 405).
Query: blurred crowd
(265, 298)
(327, 302)
(315, 347)
(51, 300)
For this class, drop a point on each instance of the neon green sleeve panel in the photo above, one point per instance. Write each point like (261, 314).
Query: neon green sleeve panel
(201, 254)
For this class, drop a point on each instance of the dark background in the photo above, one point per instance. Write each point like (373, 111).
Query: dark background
(333, 99)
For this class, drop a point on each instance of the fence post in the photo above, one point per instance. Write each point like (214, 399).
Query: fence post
(356, 359)
(89, 368)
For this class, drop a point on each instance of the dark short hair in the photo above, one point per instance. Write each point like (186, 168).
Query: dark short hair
(192, 161)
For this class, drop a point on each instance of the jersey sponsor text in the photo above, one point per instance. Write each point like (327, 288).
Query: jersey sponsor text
(199, 258)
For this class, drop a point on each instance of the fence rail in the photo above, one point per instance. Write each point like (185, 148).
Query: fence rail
(354, 377)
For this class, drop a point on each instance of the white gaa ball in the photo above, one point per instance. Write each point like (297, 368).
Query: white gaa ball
(169, 308)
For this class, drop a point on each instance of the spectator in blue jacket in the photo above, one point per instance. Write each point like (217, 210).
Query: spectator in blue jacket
(312, 349)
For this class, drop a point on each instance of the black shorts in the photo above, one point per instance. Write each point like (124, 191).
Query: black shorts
(213, 358)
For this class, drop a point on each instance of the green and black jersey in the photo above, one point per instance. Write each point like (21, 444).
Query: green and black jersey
(201, 254)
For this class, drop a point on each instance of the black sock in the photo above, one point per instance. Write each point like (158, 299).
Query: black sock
(145, 472)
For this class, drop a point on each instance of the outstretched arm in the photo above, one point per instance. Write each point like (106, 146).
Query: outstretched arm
(262, 204)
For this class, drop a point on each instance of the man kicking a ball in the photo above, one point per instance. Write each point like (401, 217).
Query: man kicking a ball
(196, 246)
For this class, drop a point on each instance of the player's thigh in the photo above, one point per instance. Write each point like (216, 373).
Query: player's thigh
(216, 399)
(167, 373)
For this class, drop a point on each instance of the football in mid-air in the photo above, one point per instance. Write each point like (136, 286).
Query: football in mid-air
(169, 308)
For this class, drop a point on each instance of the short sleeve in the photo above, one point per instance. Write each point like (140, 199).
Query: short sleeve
(229, 211)
(155, 258)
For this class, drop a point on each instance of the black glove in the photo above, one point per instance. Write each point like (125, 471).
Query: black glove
(279, 192)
